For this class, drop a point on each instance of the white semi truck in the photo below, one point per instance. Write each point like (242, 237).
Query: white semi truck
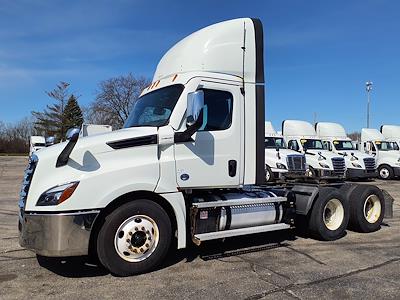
(188, 166)
(392, 135)
(281, 162)
(335, 139)
(301, 137)
(36, 142)
(374, 143)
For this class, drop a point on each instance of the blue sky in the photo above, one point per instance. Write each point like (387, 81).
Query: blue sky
(318, 54)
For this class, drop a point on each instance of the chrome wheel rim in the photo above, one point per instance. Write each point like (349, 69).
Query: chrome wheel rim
(372, 209)
(384, 173)
(333, 214)
(136, 238)
(267, 175)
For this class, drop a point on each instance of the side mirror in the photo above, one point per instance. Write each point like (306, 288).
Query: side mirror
(72, 132)
(195, 104)
(50, 141)
(194, 117)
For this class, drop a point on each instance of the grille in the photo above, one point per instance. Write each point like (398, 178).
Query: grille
(296, 163)
(26, 183)
(339, 166)
(369, 164)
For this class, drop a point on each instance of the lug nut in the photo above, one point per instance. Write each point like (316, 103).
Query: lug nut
(128, 240)
(136, 229)
(141, 250)
(130, 233)
(147, 245)
(143, 228)
(147, 232)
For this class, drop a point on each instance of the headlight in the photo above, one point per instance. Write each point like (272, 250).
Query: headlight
(356, 165)
(281, 166)
(58, 194)
(324, 165)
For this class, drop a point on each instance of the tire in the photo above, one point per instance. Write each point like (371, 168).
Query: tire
(367, 208)
(310, 172)
(269, 176)
(329, 216)
(134, 238)
(385, 172)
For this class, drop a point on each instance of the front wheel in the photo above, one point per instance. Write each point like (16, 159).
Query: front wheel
(269, 176)
(385, 172)
(134, 238)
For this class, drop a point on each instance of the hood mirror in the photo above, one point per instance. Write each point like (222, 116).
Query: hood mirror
(72, 132)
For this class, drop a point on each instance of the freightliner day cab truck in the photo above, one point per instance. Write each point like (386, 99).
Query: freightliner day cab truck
(188, 167)
(335, 139)
(374, 143)
(280, 162)
(36, 143)
(301, 136)
(392, 135)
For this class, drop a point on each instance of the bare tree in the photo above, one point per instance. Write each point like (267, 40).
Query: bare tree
(114, 100)
(14, 138)
(355, 136)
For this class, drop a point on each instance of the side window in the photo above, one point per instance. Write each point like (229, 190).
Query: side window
(217, 113)
(327, 145)
(293, 145)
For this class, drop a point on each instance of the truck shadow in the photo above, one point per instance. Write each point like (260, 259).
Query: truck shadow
(84, 266)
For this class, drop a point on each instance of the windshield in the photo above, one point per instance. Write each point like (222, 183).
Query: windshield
(383, 146)
(312, 144)
(274, 142)
(155, 108)
(343, 145)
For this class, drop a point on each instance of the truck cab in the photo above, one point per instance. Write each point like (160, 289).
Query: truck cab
(36, 143)
(281, 162)
(301, 137)
(374, 143)
(335, 139)
(392, 135)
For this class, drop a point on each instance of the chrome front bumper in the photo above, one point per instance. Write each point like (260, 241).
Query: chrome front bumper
(62, 234)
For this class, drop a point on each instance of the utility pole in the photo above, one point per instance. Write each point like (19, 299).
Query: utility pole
(368, 87)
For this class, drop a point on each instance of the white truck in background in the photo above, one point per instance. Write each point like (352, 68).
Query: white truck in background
(335, 139)
(281, 162)
(189, 162)
(392, 135)
(91, 129)
(300, 136)
(36, 142)
(374, 143)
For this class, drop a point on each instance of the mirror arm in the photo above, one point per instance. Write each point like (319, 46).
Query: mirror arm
(186, 136)
(63, 158)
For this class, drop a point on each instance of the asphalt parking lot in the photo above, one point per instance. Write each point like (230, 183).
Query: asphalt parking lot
(254, 267)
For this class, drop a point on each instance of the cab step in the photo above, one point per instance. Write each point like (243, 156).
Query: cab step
(200, 237)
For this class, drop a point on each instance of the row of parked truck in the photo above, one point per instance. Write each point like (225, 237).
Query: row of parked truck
(326, 151)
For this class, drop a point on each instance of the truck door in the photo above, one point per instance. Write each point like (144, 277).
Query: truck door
(214, 156)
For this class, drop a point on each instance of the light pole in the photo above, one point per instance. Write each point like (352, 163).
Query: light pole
(368, 87)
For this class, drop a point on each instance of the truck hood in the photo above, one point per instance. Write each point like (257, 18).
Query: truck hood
(97, 143)
(282, 152)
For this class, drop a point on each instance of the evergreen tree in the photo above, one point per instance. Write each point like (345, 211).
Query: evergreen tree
(73, 117)
(51, 122)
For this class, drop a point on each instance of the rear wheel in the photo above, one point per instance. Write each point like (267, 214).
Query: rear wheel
(385, 172)
(329, 216)
(367, 208)
(134, 238)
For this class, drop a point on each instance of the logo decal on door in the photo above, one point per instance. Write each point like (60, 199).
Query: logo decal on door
(184, 176)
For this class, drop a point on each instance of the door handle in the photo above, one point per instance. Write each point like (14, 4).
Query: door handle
(232, 166)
